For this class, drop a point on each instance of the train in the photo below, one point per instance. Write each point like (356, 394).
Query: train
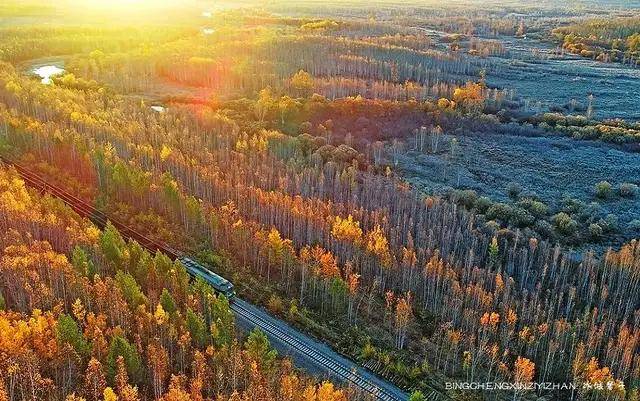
(220, 284)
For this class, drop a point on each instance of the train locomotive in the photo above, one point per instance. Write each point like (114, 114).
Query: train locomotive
(220, 284)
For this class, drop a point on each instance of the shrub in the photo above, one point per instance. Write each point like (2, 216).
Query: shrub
(513, 190)
(293, 310)
(490, 227)
(544, 228)
(564, 223)
(275, 304)
(591, 212)
(610, 223)
(634, 225)
(603, 189)
(521, 217)
(595, 230)
(466, 197)
(368, 351)
(532, 195)
(535, 207)
(500, 211)
(572, 205)
(538, 208)
(628, 190)
(417, 396)
(305, 127)
(482, 204)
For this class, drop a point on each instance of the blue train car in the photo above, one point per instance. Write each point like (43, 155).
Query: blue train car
(219, 283)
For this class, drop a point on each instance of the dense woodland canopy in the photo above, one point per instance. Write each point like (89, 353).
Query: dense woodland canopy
(603, 39)
(272, 160)
(85, 315)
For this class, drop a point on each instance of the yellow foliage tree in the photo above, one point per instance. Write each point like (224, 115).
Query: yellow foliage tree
(302, 82)
(378, 245)
(346, 229)
(470, 96)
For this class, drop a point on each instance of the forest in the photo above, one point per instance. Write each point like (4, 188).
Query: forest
(88, 316)
(273, 143)
(606, 40)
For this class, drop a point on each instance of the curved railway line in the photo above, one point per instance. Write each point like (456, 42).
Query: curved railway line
(306, 348)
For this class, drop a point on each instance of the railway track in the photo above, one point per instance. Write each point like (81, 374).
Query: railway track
(349, 374)
(316, 353)
(84, 209)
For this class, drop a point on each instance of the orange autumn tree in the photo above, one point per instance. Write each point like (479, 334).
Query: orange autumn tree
(89, 316)
(95, 381)
(470, 96)
(523, 373)
(523, 370)
(296, 184)
(176, 390)
(593, 377)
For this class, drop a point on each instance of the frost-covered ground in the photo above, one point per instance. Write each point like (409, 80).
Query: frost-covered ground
(558, 79)
(537, 72)
(552, 167)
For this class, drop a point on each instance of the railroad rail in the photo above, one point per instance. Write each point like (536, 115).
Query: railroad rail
(350, 374)
(84, 209)
(342, 368)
